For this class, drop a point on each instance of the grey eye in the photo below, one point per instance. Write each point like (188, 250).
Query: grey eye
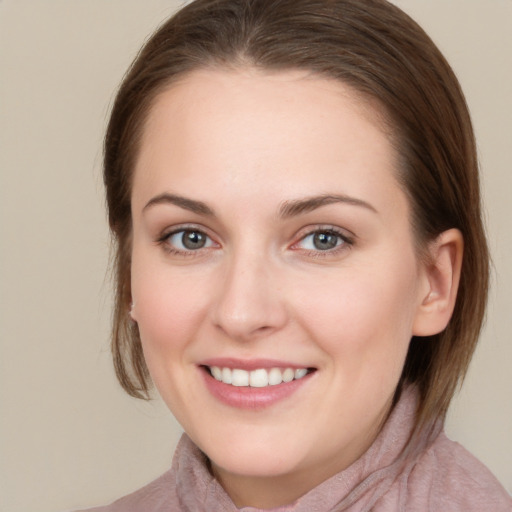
(189, 240)
(321, 241)
(325, 241)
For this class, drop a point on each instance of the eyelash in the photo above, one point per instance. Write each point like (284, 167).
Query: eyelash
(164, 241)
(344, 242)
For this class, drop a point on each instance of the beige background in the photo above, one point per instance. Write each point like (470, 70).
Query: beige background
(69, 437)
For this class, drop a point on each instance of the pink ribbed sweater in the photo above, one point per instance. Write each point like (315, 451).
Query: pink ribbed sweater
(437, 475)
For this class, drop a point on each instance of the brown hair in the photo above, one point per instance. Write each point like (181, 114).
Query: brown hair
(380, 52)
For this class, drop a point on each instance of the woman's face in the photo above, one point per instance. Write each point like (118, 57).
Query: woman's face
(272, 241)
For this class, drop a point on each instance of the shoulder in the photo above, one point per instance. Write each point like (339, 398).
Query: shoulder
(448, 477)
(157, 496)
(185, 485)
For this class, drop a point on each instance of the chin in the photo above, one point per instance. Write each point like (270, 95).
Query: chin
(260, 458)
(260, 466)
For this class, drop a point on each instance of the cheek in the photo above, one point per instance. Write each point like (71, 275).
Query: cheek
(168, 306)
(169, 311)
(363, 317)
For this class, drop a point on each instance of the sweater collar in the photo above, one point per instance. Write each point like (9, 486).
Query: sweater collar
(358, 487)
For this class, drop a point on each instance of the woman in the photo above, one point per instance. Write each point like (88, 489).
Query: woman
(301, 265)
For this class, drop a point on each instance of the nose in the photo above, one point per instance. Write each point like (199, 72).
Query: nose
(250, 302)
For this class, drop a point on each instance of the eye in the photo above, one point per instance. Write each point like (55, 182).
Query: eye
(188, 240)
(322, 240)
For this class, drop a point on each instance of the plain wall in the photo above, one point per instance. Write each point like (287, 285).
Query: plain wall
(69, 437)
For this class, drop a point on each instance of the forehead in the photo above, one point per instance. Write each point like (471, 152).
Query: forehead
(299, 91)
(293, 128)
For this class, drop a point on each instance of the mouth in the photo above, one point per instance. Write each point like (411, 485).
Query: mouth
(257, 378)
(254, 384)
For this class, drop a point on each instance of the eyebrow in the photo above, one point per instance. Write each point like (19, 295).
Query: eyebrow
(183, 202)
(288, 208)
(301, 206)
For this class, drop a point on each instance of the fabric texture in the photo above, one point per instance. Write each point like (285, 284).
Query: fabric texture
(433, 474)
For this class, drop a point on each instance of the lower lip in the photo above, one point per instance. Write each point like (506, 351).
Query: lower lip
(246, 397)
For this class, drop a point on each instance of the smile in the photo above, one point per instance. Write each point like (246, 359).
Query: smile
(254, 384)
(258, 378)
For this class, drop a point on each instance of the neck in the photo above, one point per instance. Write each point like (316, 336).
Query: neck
(262, 492)
(278, 490)
(267, 491)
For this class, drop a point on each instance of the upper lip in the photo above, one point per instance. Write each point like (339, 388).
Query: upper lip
(251, 364)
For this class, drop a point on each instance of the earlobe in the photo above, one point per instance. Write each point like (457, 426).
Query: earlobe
(442, 275)
(132, 312)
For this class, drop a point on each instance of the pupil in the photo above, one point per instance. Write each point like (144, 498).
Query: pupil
(324, 241)
(193, 240)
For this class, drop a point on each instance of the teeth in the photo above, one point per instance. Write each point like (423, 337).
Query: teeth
(226, 375)
(239, 378)
(216, 372)
(288, 375)
(259, 378)
(275, 376)
(301, 372)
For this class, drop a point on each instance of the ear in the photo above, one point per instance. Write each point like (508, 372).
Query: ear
(442, 275)
(133, 314)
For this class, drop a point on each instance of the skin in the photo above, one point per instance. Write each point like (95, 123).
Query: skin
(246, 144)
